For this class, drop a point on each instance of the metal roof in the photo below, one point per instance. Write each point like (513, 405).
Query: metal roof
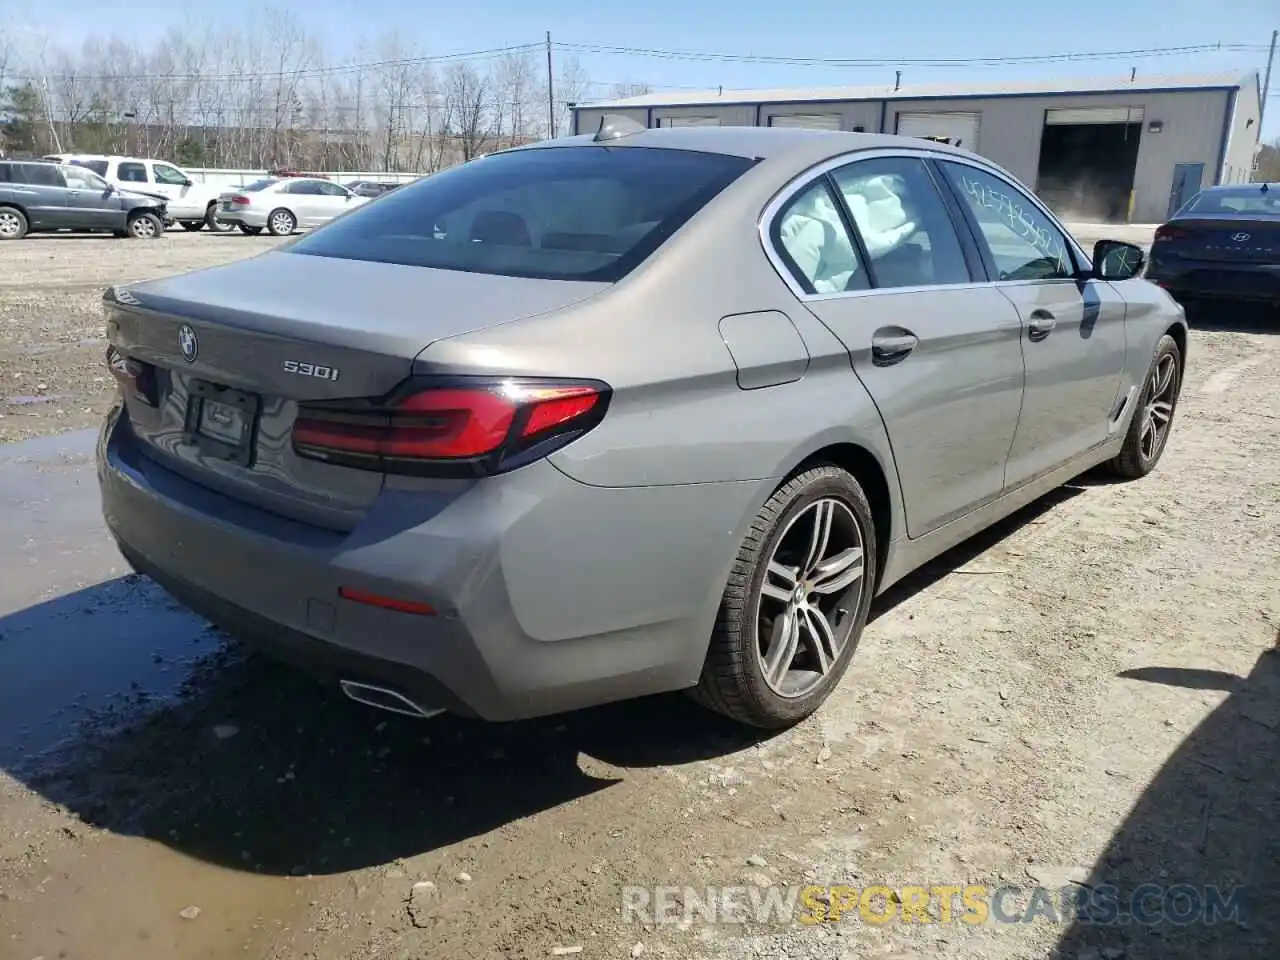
(926, 91)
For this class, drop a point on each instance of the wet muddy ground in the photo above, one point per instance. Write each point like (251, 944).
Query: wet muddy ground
(1085, 690)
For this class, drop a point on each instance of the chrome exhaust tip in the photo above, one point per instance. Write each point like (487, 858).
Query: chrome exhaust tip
(384, 699)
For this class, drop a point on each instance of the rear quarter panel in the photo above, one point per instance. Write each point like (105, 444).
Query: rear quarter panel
(678, 414)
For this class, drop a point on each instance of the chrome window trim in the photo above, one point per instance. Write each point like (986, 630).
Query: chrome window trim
(803, 180)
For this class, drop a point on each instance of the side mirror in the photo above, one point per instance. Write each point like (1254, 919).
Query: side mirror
(188, 182)
(1115, 260)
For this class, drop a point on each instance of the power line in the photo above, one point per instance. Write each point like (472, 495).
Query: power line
(301, 72)
(702, 56)
(492, 53)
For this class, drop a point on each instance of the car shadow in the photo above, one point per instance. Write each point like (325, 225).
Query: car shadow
(253, 766)
(1199, 853)
(1230, 317)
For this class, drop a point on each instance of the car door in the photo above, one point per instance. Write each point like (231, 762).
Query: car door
(303, 201)
(333, 199)
(45, 192)
(178, 189)
(873, 250)
(1074, 337)
(90, 204)
(16, 190)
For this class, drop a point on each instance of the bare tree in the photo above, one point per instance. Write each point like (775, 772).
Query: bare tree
(571, 86)
(268, 95)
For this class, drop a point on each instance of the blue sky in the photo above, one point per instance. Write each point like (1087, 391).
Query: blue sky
(800, 28)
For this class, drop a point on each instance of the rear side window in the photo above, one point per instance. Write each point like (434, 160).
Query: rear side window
(131, 173)
(37, 174)
(4, 173)
(559, 213)
(97, 166)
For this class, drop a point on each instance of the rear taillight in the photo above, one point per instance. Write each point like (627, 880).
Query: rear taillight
(1171, 233)
(240, 199)
(135, 378)
(456, 427)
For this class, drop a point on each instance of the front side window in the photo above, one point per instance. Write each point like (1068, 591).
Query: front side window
(132, 173)
(79, 178)
(559, 213)
(170, 175)
(1023, 243)
(903, 223)
(811, 235)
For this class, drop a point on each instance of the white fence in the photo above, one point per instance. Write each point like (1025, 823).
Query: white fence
(238, 178)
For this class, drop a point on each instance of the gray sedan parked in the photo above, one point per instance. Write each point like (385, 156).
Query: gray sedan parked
(614, 415)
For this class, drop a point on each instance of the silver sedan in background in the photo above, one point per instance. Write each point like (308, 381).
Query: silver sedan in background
(607, 416)
(281, 206)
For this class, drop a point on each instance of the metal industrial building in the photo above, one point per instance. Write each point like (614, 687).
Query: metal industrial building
(1108, 150)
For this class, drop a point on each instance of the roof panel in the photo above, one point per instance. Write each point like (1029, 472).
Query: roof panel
(1062, 85)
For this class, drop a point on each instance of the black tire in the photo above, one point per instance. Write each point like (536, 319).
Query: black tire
(191, 225)
(213, 223)
(144, 226)
(13, 223)
(281, 222)
(1139, 456)
(733, 678)
(249, 231)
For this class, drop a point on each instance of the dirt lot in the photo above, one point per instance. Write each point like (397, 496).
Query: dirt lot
(1083, 695)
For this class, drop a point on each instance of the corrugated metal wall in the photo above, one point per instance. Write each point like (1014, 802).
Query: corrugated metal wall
(1243, 146)
(1193, 123)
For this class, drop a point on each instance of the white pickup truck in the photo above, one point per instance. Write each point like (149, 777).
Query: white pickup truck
(190, 204)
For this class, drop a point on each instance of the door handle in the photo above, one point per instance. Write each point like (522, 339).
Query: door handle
(1041, 325)
(892, 345)
(73, 193)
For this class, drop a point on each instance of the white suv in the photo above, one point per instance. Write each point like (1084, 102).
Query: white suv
(190, 204)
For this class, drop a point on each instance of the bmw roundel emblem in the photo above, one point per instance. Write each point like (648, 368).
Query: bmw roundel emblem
(188, 342)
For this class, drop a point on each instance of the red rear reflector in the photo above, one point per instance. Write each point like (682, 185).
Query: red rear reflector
(483, 426)
(567, 404)
(386, 603)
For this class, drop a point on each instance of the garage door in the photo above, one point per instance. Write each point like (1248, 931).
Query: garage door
(1093, 115)
(808, 121)
(689, 122)
(955, 128)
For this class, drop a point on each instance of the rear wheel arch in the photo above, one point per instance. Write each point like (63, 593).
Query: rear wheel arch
(1179, 334)
(865, 467)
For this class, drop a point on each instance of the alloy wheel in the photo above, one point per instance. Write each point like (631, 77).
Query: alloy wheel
(144, 228)
(809, 600)
(1157, 407)
(282, 224)
(10, 225)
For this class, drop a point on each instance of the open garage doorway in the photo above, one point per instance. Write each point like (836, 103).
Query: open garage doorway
(1087, 162)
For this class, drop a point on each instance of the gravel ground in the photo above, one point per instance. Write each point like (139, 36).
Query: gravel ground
(1082, 695)
(52, 373)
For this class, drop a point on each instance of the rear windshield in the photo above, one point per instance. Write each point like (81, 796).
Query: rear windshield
(256, 186)
(558, 213)
(1231, 202)
(97, 166)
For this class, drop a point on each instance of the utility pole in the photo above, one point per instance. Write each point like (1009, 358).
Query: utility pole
(551, 92)
(1266, 82)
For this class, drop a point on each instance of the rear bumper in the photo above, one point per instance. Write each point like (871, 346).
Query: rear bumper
(1215, 279)
(245, 215)
(550, 595)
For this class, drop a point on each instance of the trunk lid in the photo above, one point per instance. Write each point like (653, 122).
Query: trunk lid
(230, 352)
(1230, 240)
